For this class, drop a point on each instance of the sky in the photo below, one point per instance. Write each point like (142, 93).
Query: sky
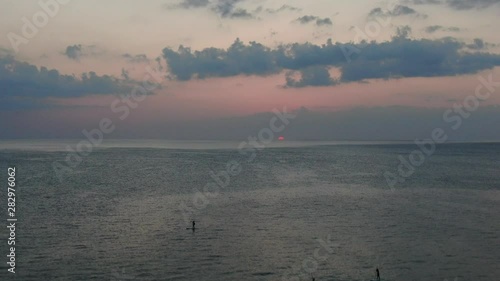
(218, 69)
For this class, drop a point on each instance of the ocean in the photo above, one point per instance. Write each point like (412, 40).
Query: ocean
(290, 211)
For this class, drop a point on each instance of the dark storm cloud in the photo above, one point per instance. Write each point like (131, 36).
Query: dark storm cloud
(434, 28)
(76, 52)
(24, 84)
(141, 58)
(400, 57)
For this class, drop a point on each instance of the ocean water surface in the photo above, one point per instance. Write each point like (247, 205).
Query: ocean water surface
(293, 212)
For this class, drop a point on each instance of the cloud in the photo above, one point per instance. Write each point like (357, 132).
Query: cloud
(76, 52)
(403, 32)
(141, 58)
(283, 8)
(311, 76)
(73, 52)
(434, 28)
(306, 19)
(422, 2)
(400, 57)
(398, 10)
(188, 4)
(252, 59)
(377, 12)
(228, 9)
(457, 4)
(25, 84)
(416, 58)
(5, 52)
(477, 45)
(239, 13)
(471, 4)
(319, 21)
(325, 21)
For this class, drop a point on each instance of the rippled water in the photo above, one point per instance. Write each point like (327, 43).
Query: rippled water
(118, 216)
